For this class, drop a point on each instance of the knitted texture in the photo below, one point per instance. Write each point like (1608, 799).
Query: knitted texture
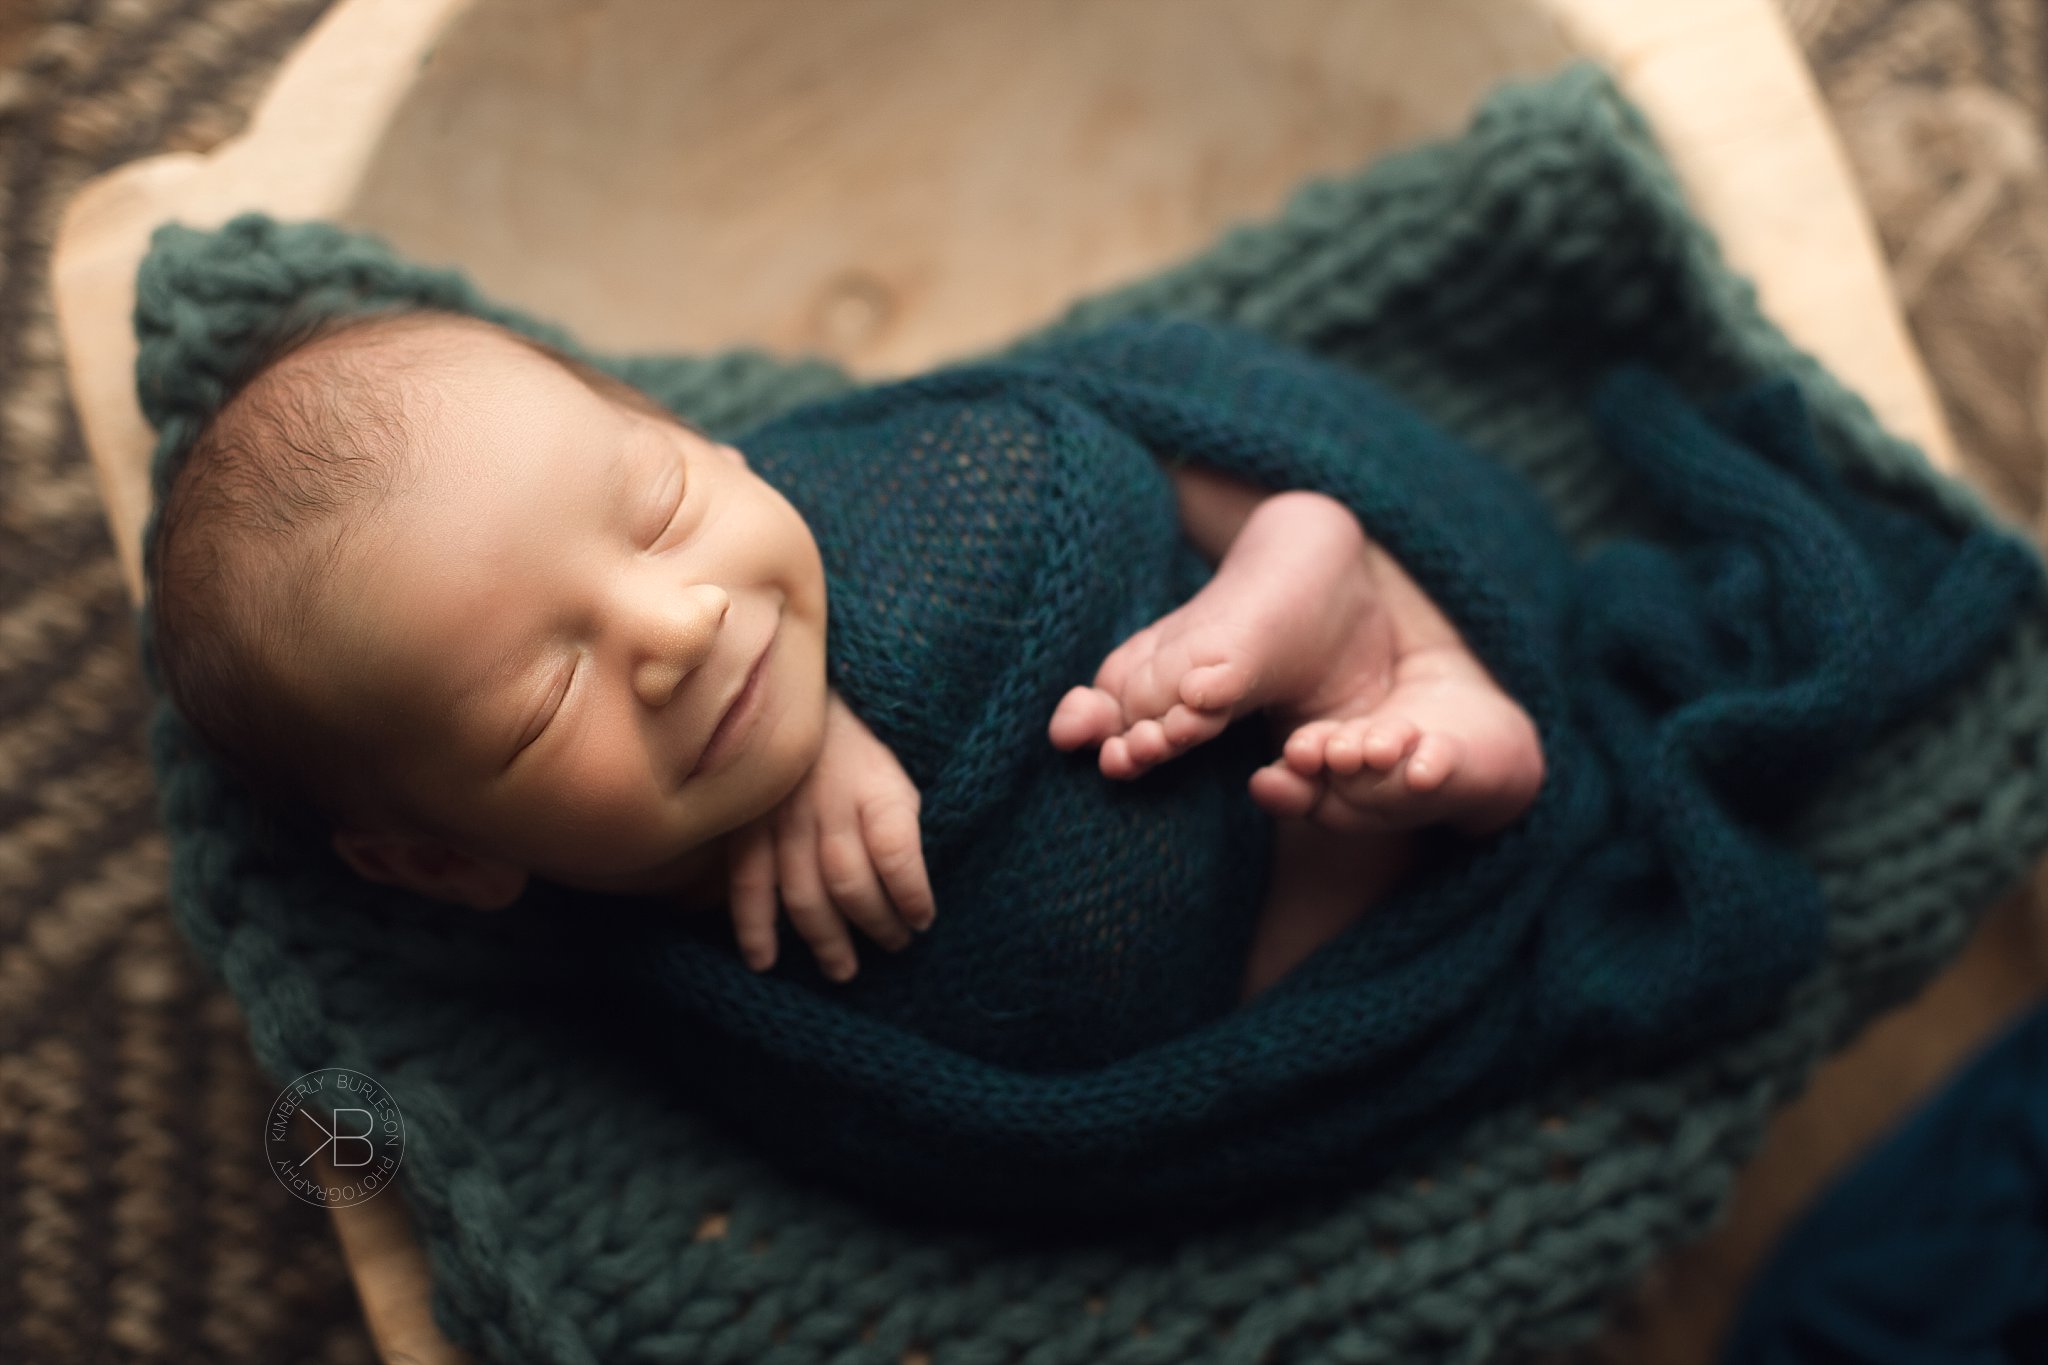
(568, 1206)
(1066, 1043)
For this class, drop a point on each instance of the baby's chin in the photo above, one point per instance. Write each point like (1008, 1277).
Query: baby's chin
(743, 793)
(697, 872)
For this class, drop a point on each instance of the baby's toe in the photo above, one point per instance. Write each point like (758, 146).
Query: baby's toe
(1305, 749)
(1383, 743)
(1281, 791)
(1346, 750)
(1435, 758)
(1115, 759)
(1147, 743)
(1153, 689)
(1216, 687)
(1186, 727)
(1084, 716)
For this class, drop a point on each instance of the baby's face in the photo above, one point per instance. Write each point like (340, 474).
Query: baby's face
(567, 602)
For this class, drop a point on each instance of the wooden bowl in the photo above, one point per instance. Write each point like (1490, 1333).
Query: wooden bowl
(898, 182)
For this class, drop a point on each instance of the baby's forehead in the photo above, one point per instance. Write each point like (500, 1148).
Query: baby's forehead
(396, 389)
(361, 375)
(456, 340)
(398, 342)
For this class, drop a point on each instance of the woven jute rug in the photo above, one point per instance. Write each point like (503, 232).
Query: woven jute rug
(137, 1219)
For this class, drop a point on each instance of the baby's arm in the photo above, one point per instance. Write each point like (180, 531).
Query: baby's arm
(845, 844)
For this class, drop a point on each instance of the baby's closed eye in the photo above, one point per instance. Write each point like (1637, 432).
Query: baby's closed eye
(674, 495)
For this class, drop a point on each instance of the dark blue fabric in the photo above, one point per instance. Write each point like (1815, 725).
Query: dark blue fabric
(1933, 1250)
(1064, 1043)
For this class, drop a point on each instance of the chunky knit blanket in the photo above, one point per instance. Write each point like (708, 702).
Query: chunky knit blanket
(574, 1211)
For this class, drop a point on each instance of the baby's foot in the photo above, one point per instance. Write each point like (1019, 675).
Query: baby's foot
(1444, 745)
(1292, 607)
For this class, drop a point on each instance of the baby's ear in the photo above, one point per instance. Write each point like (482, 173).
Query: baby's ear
(431, 868)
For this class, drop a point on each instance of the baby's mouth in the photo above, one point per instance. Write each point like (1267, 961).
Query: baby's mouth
(739, 711)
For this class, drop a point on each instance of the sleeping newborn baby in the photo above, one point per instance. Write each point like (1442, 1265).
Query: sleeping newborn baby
(495, 615)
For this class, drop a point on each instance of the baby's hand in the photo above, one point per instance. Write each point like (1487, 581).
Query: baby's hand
(846, 832)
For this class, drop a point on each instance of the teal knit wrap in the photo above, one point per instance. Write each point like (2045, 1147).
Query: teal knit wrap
(1065, 1043)
(1488, 281)
(988, 536)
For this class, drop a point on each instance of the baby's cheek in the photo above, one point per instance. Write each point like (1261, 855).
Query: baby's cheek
(614, 810)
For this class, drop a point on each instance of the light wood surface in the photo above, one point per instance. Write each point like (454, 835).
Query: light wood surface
(901, 181)
(392, 1278)
(1731, 98)
(898, 182)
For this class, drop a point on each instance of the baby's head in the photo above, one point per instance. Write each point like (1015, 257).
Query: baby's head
(477, 608)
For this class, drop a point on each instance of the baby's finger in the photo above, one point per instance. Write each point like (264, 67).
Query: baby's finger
(753, 895)
(804, 897)
(898, 850)
(855, 890)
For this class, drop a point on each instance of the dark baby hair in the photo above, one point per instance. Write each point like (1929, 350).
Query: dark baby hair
(293, 463)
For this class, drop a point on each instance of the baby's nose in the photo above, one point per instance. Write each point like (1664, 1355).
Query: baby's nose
(678, 640)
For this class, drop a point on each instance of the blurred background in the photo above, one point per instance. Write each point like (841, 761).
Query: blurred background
(137, 1221)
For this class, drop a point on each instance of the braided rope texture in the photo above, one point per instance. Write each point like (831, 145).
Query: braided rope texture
(573, 1216)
